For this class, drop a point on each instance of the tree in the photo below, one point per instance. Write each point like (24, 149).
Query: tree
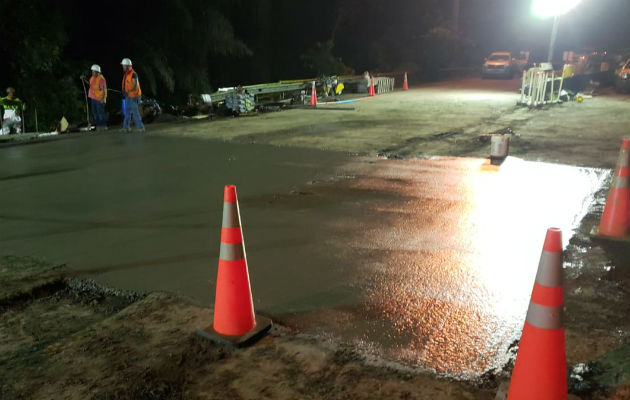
(31, 50)
(46, 45)
(320, 60)
(175, 62)
(444, 48)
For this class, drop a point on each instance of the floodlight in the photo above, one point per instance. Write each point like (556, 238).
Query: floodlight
(552, 8)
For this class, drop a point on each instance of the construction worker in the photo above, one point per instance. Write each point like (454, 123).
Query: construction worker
(368, 80)
(339, 88)
(98, 95)
(12, 117)
(131, 93)
(330, 85)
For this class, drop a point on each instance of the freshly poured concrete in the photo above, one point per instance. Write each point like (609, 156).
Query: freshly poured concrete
(426, 262)
(145, 213)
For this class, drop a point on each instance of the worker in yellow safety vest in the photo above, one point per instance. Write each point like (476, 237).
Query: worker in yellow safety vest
(131, 94)
(12, 108)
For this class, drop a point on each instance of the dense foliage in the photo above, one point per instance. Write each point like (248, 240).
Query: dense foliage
(32, 61)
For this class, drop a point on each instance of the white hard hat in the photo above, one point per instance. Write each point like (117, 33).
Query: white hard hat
(125, 61)
(96, 68)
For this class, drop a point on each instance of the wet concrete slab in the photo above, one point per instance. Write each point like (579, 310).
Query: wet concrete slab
(447, 263)
(428, 263)
(148, 206)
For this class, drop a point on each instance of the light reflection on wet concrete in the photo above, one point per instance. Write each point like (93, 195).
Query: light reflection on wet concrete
(449, 272)
(425, 262)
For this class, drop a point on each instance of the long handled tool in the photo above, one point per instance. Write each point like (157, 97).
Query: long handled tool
(87, 110)
(122, 102)
(36, 126)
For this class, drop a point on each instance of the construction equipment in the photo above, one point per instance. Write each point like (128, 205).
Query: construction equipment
(296, 91)
(240, 101)
(329, 84)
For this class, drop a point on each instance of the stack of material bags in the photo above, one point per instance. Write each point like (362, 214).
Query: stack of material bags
(240, 102)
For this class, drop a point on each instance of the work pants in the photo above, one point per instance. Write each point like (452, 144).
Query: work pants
(12, 123)
(131, 111)
(98, 113)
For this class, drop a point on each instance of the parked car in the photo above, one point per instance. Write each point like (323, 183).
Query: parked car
(521, 62)
(498, 65)
(622, 77)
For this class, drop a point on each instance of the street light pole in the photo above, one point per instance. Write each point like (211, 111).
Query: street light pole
(552, 42)
(553, 8)
(456, 7)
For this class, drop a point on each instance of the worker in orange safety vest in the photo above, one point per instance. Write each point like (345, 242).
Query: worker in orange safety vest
(132, 95)
(98, 95)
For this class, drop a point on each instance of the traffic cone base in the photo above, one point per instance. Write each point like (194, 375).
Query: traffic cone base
(615, 221)
(234, 322)
(261, 328)
(596, 235)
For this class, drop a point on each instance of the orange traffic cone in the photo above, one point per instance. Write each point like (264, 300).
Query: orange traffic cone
(371, 90)
(313, 95)
(234, 320)
(405, 84)
(540, 369)
(615, 222)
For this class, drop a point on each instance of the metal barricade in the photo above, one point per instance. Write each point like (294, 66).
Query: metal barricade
(384, 84)
(540, 86)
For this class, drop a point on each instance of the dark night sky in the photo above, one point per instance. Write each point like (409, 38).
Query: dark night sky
(596, 24)
(295, 26)
(278, 32)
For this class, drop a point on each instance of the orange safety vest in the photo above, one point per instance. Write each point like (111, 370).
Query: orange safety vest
(95, 87)
(127, 83)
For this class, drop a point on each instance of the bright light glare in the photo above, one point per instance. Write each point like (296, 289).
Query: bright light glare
(552, 8)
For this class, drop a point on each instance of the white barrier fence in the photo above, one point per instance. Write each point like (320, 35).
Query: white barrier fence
(384, 84)
(540, 86)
